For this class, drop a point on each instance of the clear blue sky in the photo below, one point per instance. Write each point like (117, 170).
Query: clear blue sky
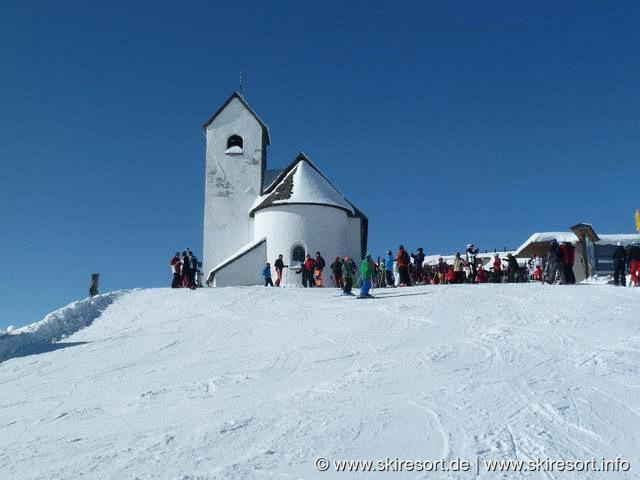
(445, 122)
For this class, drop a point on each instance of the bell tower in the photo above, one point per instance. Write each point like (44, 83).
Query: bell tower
(236, 157)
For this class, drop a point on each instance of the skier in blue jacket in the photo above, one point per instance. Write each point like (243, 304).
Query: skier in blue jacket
(266, 274)
(388, 269)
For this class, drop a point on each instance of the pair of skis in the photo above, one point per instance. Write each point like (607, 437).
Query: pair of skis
(360, 297)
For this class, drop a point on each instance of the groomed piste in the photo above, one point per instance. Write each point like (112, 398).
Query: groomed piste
(255, 383)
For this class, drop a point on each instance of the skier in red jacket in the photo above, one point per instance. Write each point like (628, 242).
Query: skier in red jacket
(176, 267)
(403, 266)
(497, 269)
(481, 274)
(307, 272)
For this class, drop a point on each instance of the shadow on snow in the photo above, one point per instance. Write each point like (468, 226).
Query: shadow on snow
(32, 348)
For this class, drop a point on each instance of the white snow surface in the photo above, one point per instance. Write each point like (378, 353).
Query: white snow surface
(257, 383)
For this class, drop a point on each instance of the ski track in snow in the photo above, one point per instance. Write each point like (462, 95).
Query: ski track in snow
(256, 383)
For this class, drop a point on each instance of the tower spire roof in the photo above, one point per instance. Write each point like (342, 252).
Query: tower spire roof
(236, 94)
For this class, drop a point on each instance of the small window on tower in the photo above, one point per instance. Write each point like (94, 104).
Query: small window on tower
(297, 254)
(234, 145)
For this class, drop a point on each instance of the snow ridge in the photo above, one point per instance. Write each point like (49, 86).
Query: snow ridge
(38, 337)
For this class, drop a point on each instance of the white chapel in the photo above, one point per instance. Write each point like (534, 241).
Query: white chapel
(253, 214)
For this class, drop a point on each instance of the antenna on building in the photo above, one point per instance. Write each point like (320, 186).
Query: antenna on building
(241, 82)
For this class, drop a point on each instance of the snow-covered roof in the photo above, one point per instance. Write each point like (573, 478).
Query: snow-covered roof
(624, 239)
(538, 243)
(270, 176)
(243, 251)
(559, 237)
(484, 256)
(303, 183)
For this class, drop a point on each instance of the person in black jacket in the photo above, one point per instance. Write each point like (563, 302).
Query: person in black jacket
(193, 268)
(472, 254)
(186, 269)
(419, 260)
(279, 266)
(319, 266)
(336, 268)
(619, 264)
(513, 269)
(554, 271)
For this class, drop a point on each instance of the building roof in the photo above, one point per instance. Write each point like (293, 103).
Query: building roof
(236, 94)
(303, 183)
(249, 247)
(583, 230)
(625, 239)
(269, 178)
(538, 243)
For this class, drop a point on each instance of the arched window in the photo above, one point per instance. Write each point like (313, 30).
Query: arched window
(234, 145)
(297, 254)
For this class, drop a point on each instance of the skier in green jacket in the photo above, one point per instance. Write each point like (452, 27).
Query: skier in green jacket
(349, 273)
(367, 270)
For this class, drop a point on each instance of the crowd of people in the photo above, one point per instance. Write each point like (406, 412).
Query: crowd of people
(559, 264)
(186, 270)
(624, 260)
(404, 269)
(312, 271)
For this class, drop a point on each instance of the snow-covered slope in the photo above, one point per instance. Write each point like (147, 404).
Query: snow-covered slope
(40, 337)
(255, 383)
